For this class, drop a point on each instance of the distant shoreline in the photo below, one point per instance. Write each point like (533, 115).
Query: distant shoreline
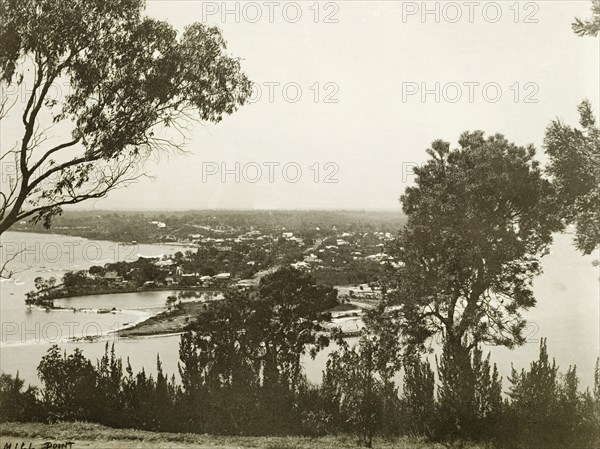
(50, 232)
(135, 290)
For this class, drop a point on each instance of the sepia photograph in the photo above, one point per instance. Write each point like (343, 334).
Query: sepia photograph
(299, 224)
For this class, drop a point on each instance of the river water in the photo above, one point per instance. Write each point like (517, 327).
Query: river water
(567, 313)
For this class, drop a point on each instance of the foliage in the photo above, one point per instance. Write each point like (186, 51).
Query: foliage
(43, 293)
(129, 78)
(293, 307)
(418, 400)
(241, 361)
(479, 219)
(171, 302)
(69, 383)
(548, 410)
(17, 404)
(575, 169)
(362, 391)
(109, 400)
(591, 26)
(357, 396)
(468, 406)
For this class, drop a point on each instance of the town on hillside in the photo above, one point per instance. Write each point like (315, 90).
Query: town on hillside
(222, 251)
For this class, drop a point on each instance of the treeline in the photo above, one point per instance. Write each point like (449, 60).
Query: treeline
(130, 226)
(544, 408)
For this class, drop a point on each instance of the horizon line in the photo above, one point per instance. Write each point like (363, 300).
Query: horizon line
(239, 210)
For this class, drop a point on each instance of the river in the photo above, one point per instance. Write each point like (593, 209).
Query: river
(567, 313)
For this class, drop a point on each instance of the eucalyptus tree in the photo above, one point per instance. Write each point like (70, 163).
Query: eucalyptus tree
(91, 89)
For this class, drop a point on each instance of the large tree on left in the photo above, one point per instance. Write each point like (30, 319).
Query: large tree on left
(92, 88)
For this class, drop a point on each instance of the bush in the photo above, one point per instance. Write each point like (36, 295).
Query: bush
(547, 410)
(16, 404)
(418, 401)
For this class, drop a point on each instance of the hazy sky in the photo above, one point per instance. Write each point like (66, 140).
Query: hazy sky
(352, 104)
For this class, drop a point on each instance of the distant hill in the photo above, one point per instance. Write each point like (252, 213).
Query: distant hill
(152, 227)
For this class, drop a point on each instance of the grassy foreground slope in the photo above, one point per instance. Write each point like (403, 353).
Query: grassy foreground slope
(95, 436)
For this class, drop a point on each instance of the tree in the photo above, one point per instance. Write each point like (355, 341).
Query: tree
(171, 302)
(591, 26)
(293, 307)
(128, 78)
(221, 359)
(16, 403)
(418, 400)
(109, 401)
(471, 408)
(548, 409)
(575, 170)
(69, 384)
(43, 287)
(356, 377)
(96, 270)
(479, 219)
(39, 283)
(72, 280)
(488, 389)
(145, 270)
(241, 358)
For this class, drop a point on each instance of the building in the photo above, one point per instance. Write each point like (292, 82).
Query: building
(377, 257)
(112, 276)
(301, 265)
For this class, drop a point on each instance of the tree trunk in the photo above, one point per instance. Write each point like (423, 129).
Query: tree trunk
(462, 384)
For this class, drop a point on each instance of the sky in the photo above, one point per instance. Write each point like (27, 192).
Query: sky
(349, 94)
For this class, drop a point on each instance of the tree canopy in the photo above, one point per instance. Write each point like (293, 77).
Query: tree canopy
(575, 170)
(122, 80)
(591, 26)
(263, 331)
(479, 219)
